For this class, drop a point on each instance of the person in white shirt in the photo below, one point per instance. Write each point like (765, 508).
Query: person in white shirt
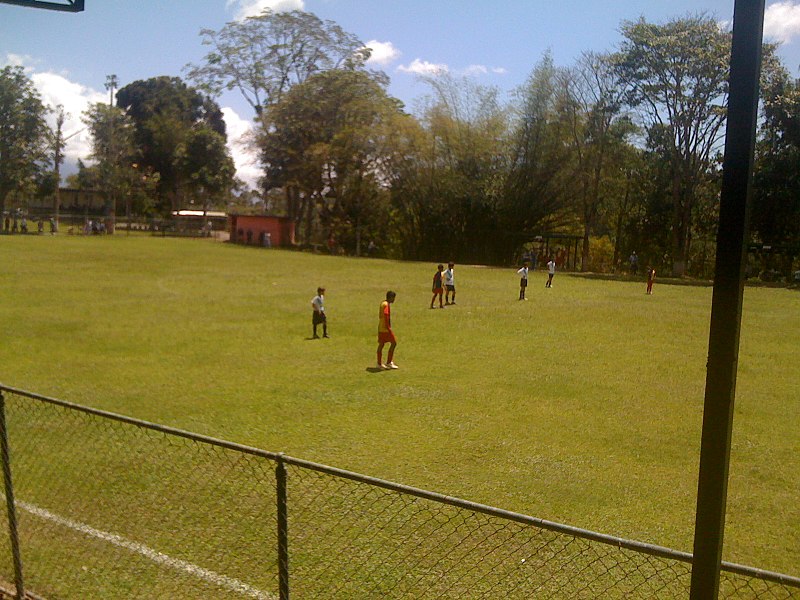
(551, 270)
(318, 316)
(449, 284)
(523, 279)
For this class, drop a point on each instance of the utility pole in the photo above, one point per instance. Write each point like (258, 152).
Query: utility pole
(58, 149)
(111, 86)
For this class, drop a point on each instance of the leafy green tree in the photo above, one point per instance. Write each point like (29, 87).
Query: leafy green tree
(165, 112)
(264, 56)
(536, 193)
(113, 150)
(326, 143)
(677, 75)
(23, 133)
(599, 134)
(776, 181)
(460, 169)
(205, 161)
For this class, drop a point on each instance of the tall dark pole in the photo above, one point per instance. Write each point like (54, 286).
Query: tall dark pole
(726, 306)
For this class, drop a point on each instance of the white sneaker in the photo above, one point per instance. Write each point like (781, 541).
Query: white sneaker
(390, 365)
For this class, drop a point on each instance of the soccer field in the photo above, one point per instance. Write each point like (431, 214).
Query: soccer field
(582, 405)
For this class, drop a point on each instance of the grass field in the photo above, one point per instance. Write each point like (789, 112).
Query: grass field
(582, 405)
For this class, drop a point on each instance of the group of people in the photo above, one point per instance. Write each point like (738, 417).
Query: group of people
(19, 224)
(443, 285)
(523, 276)
(444, 280)
(385, 333)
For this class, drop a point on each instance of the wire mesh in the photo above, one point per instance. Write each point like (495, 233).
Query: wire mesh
(112, 509)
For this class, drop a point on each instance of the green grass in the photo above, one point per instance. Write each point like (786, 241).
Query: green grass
(582, 405)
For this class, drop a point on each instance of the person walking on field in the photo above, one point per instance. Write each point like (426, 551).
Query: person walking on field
(523, 279)
(449, 284)
(318, 316)
(385, 333)
(651, 277)
(438, 290)
(551, 270)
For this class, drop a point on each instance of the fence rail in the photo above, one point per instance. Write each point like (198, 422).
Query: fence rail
(102, 505)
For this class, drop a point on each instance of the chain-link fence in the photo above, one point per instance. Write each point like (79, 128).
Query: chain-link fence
(103, 506)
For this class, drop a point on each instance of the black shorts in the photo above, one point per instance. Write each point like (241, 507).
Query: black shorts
(317, 318)
(451, 288)
(523, 282)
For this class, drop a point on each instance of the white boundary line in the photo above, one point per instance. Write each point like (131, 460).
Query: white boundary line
(224, 581)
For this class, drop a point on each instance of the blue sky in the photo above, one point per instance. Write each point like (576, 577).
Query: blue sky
(496, 42)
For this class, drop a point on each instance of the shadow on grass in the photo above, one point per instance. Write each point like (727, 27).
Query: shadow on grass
(643, 280)
(750, 282)
(376, 370)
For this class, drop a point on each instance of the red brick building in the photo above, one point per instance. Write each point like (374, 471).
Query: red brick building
(261, 230)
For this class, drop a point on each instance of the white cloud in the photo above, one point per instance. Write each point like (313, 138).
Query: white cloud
(383, 53)
(247, 168)
(423, 67)
(75, 98)
(19, 60)
(782, 21)
(253, 8)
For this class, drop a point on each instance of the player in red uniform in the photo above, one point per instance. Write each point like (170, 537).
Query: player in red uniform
(385, 333)
(438, 288)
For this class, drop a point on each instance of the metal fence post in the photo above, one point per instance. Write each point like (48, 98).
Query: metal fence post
(726, 303)
(283, 529)
(10, 505)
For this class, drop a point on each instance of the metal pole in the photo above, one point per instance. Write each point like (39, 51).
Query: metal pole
(10, 505)
(726, 306)
(283, 530)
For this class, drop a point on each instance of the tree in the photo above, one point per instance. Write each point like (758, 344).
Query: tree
(264, 56)
(205, 161)
(535, 190)
(776, 181)
(327, 142)
(165, 112)
(599, 132)
(23, 132)
(677, 75)
(454, 193)
(113, 149)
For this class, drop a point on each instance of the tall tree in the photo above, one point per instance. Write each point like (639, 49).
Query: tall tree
(23, 132)
(776, 181)
(165, 111)
(536, 187)
(677, 75)
(113, 150)
(264, 56)
(599, 132)
(326, 143)
(207, 164)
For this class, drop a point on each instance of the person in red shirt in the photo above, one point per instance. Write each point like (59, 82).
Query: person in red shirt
(385, 333)
(651, 277)
(438, 288)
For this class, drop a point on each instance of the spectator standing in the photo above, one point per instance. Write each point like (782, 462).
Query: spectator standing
(634, 263)
(318, 316)
(523, 279)
(385, 333)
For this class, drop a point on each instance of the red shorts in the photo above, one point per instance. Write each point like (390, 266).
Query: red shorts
(386, 337)
(438, 290)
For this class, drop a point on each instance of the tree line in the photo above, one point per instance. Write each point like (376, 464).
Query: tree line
(622, 148)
